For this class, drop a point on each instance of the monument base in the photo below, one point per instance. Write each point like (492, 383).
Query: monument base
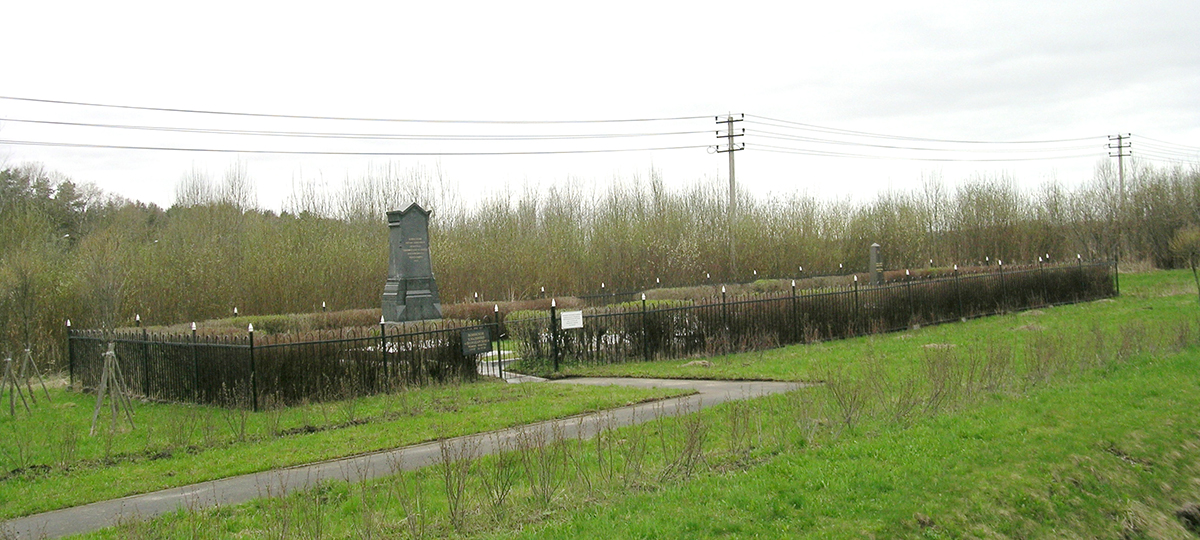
(411, 300)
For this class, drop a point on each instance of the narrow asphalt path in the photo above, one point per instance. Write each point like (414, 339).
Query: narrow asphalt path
(275, 483)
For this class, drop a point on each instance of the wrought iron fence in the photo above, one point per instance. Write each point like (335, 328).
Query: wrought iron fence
(723, 324)
(250, 372)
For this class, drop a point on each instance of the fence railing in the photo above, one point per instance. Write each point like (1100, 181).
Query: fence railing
(241, 371)
(723, 324)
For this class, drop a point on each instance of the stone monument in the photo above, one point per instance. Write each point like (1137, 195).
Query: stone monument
(410, 293)
(876, 266)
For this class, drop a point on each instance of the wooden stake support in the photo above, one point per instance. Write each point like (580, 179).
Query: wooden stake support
(112, 381)
(27, 365)
(10, 384)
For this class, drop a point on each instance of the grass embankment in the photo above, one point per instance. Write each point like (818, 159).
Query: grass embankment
(1115, 454)
(51, 462)
(1079, 422)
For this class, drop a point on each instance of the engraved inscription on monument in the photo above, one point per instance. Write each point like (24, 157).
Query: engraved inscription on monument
(876, 265)
(410, 293)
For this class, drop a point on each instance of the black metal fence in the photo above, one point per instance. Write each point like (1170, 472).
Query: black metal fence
(725, 324)
(243, 371)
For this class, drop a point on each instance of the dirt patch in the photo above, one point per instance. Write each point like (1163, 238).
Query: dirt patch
(1189, 516)
(938, 346)
(698, 363)
(1032, 313)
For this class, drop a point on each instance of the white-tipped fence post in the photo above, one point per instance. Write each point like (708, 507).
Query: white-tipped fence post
(912, 313)
(195, 368)
(253, 370)
(499, 352)
(857, 307)
(554, 331)
(70, 357)
(796, 332)
(137, 321)
(387, 368)
(645, 332)
(958, 291)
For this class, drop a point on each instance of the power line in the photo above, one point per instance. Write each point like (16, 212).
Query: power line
(811, 127)
(1196, 148)
(349, 118)
(363, 136)
(1166, 157)
(822, 153)
(1167, 150)
(327, 153)
(784, 136)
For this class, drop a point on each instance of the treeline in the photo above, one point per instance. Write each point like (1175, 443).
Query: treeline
(68, 251)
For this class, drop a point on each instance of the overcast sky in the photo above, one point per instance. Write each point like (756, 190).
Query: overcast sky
(962, 71)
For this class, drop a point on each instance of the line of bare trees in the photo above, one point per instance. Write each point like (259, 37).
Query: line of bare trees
(70, 251)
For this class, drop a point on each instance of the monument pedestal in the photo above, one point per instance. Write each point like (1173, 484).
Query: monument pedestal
(411, 300)
(410, 293)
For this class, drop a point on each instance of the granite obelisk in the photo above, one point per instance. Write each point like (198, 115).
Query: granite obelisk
(410, 293)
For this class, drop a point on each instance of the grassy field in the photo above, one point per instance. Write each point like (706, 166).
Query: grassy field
(1068, 422)
(51, 462)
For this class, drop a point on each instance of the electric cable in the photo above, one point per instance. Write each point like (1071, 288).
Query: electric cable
(348, 118)
(1141, 137)
(783, 136)
(332, 153)
(366, 136)
(813, 127)
(821, 153)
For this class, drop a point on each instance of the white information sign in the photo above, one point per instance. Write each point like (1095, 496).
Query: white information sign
(572, 319)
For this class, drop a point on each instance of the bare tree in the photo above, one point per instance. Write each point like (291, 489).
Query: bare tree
(1186, 246)
(237, 190)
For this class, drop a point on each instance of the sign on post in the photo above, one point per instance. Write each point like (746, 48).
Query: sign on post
(476, 341)
(572, 319)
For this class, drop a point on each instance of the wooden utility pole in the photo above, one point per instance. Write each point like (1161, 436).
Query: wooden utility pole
(1122, 147)
(730, 148)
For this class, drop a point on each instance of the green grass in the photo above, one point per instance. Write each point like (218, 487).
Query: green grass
(50, 461)
(1113, 455)
(1101, 440)
(902, 350)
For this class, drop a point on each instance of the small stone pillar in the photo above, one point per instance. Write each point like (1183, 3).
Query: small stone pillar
(410, 293)
(876, 266)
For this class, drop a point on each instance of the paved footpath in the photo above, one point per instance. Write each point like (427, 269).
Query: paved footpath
(239, 489)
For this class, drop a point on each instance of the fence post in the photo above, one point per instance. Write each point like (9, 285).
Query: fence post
(383, 352)
(796, 333)
(1003, 291)
(645, 332)
(857, 310)
(554, 332)
(253, 371)
(137, 321)
(1042, 279)
(912, 313)
(70, 357)
(195, 368)
(1080, 282)
(958, 292)
(499, 352)
(725, 319)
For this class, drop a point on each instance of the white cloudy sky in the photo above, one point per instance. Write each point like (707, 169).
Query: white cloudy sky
(980, 71)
